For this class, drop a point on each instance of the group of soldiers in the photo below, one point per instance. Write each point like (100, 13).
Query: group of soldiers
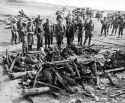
(25, 31)
(46, 31)
(114, 24)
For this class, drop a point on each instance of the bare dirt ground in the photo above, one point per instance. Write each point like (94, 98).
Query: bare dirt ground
(10, 91)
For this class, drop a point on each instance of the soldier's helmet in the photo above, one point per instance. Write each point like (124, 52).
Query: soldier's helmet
(14, 20)
(104, 18)
(47, 20)
(58, 17)
(24, 24)
(38, 16)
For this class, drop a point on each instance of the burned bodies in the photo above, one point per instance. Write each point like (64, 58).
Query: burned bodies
(63, 74)
(64, 70)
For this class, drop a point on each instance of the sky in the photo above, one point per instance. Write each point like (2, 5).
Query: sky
(95, 4)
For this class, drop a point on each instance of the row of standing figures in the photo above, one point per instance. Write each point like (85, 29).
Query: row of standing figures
(112, 27)
(25, 31)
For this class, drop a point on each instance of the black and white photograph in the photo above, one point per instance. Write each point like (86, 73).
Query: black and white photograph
(62, 51)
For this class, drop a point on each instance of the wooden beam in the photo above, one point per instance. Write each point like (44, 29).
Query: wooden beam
(35, 91)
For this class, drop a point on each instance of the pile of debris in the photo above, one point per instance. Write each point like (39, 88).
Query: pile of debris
(65, 71)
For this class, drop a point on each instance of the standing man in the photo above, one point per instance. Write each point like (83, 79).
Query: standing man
(59, 30)
(69, 32)
(14, 32)
(21, 13)
(19, 27)
(88, 30)
(115, 25)
(108, 25)
(121, 27)
(51, 33)
(47, 31)
(104, 26)
(80, 32)
(24, 39)
(30, 35)
(36, 23)
(40, 33)
(74, 30)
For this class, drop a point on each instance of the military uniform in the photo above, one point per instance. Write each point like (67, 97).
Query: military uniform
(108, 26)
(19, 27)
(104, 27)
(47, 34)
(88, 27)
(39, 37)
(74, 30)
(24, 39)
(115, 26)
(69, 33)
(121, 27)
(14, 33)
(37, 23)
(59, 30)
(30, 36)
(51, 34)
(80, 36)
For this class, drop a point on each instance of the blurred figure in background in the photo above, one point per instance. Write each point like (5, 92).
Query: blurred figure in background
(51, 33)
(36, 23)
(40, 33)
(47, 34)
(25, 39)
(114, 25)
(14, 32)
(121, 27)
(80, 32)
(30, 32)
(88, 27)
(104, 26)
(108, 25)
(69, 32)
(59, 30)
(19, 27)
(21, 13)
